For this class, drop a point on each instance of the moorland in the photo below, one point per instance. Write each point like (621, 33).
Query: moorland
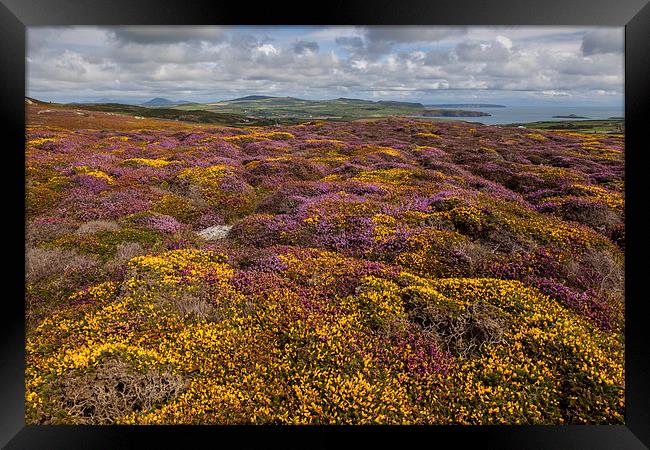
(285, 110)
(201, 269)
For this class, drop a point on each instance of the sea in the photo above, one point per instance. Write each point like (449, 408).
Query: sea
(524, 114)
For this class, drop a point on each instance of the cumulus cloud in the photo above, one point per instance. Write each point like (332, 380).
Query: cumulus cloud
(605, 40)
(156, 34)
(377, 41)
(266, 49)
(212, 63)
(352, 44)
(504, 41)
(482, 51)
(301, 47)
(406, 34)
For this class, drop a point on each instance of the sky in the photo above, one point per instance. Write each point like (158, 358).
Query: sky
(515, 66)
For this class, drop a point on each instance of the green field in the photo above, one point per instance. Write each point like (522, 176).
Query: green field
(191, 115)
(582, 126)
(341, 108)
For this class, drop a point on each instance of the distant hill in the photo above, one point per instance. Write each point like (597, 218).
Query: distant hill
(466, 105)
(352, 100)
(196, 116)
(159, 101)
(108, 100)
(250, 97)
(261, 110)
(407, 104)
(291, 108)
(104, 100)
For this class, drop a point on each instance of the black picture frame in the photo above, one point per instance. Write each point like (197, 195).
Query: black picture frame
(16, 15)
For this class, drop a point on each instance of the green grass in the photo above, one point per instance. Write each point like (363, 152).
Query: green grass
(343, 109)
(582, 126)
(191, 115)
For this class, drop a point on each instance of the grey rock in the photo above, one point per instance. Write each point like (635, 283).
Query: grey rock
(215, 232)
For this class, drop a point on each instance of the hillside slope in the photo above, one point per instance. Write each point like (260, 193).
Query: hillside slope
(340, 108)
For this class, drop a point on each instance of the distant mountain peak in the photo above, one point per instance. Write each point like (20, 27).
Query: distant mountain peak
(160, 101)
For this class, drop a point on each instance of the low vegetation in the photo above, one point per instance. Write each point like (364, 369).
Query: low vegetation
(387, 271)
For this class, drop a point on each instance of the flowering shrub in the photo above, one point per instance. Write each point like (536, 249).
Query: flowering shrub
(146, 162)
(390, 271)
(221, 188)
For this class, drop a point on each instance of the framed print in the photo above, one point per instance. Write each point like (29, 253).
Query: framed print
(422, 220)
